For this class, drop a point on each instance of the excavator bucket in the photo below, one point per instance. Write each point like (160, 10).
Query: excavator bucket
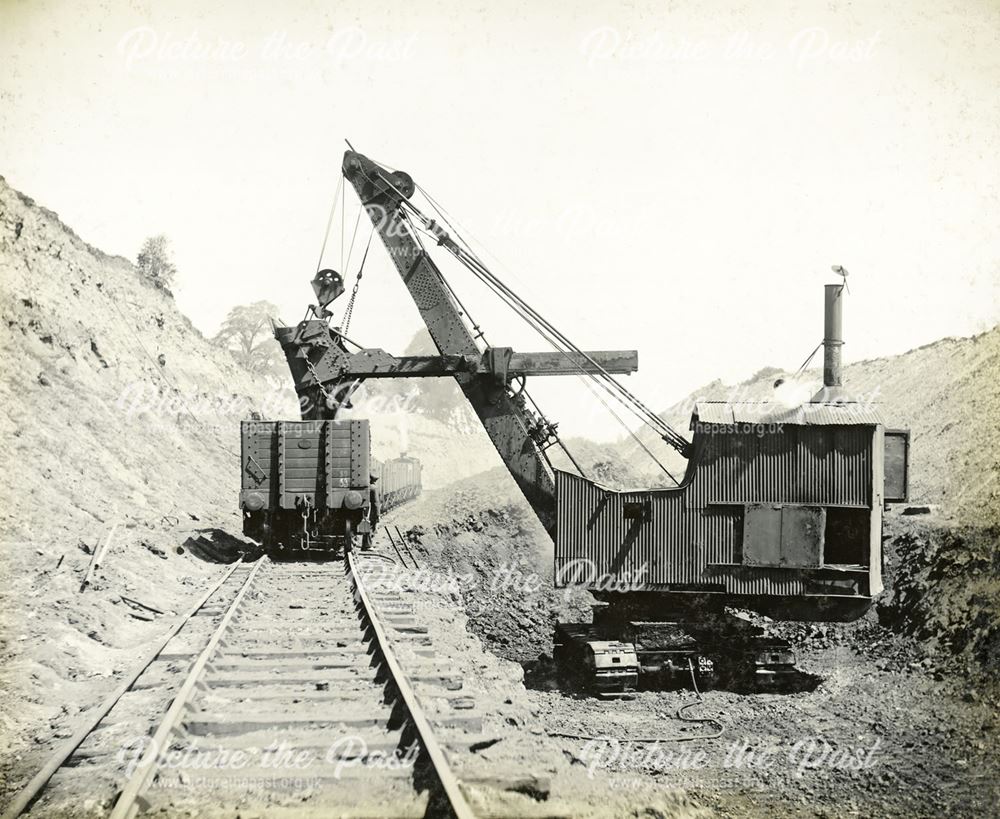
(327, 285)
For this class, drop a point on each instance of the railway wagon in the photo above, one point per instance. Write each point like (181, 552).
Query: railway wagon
(306, 484)
(399, 480)
(309, 485)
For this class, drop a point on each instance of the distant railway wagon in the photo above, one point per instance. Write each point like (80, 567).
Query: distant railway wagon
(308, 484)
(399, 480)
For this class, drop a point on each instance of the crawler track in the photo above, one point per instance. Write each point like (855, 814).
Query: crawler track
(295, 689)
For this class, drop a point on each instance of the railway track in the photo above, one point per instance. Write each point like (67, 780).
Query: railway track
(290, 689)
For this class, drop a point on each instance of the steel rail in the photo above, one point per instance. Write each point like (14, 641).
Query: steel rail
(30, 792)
(449, 782)
(126, 805)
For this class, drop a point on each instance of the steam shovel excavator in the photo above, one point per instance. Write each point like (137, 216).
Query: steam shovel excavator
(779, 509)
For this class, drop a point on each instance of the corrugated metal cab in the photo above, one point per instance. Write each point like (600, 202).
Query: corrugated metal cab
(775, 503)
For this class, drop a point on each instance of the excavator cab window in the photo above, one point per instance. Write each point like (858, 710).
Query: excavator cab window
(638, 510)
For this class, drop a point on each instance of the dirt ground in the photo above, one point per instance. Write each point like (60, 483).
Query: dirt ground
(922, 748)
(64, 648)
(897, 726)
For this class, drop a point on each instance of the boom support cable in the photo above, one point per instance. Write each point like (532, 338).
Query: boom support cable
(559, 341)
(581, 372)
(586, 378)
(479, 334)
(644, 413)
(467, 256)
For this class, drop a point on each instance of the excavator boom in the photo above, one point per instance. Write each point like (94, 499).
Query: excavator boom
(509, 423)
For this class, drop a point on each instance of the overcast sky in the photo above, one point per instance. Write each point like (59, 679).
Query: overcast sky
(676, 178)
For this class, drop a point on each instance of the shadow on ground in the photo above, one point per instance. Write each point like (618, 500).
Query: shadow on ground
(543, 674)
(218, 546)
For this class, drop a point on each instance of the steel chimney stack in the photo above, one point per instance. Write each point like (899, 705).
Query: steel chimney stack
(833, 338)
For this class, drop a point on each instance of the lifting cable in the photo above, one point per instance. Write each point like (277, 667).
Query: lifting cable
(582, 374)
(329, 223)
(354, 235)
(349, 310)
(339, 194)
(529, 311)
(631, 432)
(586, 378)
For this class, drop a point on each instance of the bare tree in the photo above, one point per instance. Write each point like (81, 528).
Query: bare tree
(246, 332)
(155, 263)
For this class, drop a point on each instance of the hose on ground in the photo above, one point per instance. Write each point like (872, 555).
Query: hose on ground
(680, 715)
